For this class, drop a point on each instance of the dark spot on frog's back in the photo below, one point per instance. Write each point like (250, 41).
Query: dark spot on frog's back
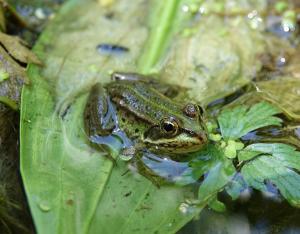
(111, 49)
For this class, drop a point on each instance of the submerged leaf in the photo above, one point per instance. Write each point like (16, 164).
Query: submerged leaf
(237, 122)
(284, 92)
(212, 60)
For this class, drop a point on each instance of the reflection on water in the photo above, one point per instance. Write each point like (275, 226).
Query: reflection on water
(260, 214)
(168, 169)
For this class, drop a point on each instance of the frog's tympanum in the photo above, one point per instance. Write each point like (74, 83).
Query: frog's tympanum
(146, 112)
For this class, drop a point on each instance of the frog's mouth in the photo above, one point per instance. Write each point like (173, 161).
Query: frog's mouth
(182, 143)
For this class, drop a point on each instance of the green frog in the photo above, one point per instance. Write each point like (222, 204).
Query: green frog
(145, 111)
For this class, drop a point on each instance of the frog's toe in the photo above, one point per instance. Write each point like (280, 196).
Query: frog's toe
(127, 154)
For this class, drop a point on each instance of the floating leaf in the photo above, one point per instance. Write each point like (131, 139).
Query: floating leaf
(267, 168)
(236, 186)
(216, 180)
(237, 122)
(217, 170)
(245, 154)
(277, 165)
(288, 155)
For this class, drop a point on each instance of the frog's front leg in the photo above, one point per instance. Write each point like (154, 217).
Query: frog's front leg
(145, 171)
(99, 116)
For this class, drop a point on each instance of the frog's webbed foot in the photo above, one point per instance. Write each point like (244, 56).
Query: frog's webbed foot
(99, 114)
(145, 171)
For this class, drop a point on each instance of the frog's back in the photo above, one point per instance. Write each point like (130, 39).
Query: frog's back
(143, 100)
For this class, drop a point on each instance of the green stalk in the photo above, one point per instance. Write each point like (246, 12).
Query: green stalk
(160, 33)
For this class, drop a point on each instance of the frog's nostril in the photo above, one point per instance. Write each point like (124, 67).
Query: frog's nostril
(202, 137)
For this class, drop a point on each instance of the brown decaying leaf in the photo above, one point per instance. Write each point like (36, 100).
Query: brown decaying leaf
(13, 52)
(16, 47)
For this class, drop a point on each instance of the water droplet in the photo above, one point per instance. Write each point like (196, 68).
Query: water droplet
(189, 206)
(127, 153)
(281, 61)
(44, 206)
(183, 208)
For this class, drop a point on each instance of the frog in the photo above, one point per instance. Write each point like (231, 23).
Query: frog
(144, 112)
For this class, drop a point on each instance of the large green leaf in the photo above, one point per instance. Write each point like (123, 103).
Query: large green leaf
(67, 181)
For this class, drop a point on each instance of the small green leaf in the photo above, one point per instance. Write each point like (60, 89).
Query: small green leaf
(215, 137)
(230, 151)
(267, 168)
(245, 155)
(205, 160)
(276, 166)
(288, 155)
(218, 177)
(237, 122)
(232, 147)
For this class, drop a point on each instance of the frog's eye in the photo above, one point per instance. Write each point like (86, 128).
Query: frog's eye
(190, 110)
(169, 126)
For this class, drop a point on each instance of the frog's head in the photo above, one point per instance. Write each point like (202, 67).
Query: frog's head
(183, 133)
